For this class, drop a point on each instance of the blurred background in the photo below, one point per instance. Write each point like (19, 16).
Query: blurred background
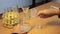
(11, 3)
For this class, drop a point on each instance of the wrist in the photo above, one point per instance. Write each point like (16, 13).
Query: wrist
(53, 11)
(57, 12)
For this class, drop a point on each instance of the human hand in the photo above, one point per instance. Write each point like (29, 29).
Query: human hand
(48, 13)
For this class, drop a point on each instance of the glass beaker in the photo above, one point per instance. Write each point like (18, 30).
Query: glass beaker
(33, 12)
(25, 27)
(26, 13)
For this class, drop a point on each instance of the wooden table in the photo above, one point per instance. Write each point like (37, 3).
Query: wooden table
(46, 28)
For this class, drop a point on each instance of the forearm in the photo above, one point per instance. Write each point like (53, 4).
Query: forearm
(58, 14)
(56, 11)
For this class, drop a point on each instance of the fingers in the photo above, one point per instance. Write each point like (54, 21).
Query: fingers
(42, 12)
(47, 13)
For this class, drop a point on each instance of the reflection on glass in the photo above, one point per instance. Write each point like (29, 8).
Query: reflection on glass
(11, 17)
(33, 13)
(26, 12)
(25, 27)
(38, 26)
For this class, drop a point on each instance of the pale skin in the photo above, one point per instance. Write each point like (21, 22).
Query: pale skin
(48, 13)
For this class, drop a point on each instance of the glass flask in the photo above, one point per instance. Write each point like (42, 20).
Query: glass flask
(11, 17)
(25, 27)
(33, 13)
(26, 13)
